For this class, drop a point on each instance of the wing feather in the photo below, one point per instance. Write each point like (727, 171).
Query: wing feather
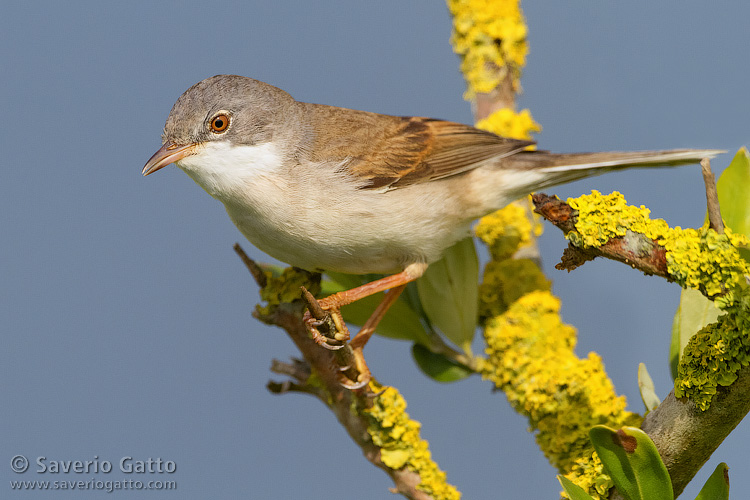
(383, 151)
(423, 149)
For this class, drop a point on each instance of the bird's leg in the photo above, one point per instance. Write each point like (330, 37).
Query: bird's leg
(332, 304)
(364, 334)
(346, 297)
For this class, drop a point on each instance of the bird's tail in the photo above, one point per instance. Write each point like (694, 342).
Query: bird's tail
(554, 169)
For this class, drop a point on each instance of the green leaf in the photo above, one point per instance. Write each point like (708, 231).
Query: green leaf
(744, 253)
(717, 486)
(694, 312)
(411, 296)
(646, 386)
(733, 186)
(573, 491)
(448, 292)
(437, 366)
(400, 322)
(346, 281)
(632, 461)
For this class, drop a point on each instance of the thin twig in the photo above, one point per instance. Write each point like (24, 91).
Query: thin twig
(312, 305)
(287, 386)
(712, 197)
(439, 346)
(258, 275)
(297, 369)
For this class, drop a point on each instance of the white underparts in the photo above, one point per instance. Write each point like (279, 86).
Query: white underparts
(220, 167)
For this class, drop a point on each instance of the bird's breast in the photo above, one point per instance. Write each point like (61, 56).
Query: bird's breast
(312, 215)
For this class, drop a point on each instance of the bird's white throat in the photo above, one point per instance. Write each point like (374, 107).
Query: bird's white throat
(224, 169)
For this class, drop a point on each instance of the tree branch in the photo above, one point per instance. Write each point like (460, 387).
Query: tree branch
(634, 249)
(320, 375)
(684, 434)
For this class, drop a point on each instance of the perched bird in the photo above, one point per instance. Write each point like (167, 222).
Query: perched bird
(328, 188)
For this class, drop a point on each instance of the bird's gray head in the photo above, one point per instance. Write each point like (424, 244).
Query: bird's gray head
(230, 108)
(226, 107)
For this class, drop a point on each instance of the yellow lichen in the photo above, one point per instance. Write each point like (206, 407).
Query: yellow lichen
(530, 357)
(701, 259)
(509, 123)
(490, 37)
(710, 262)
(588, 473)
(398, 438)
(712, 358)
(507, 230)
(530, 353)
(601, 218)
(505, 281)
(284, 288)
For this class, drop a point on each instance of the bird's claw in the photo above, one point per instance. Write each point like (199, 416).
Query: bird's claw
(324, 322)
(331, 347)
(353, 386)
(355, 375)
(329, 324)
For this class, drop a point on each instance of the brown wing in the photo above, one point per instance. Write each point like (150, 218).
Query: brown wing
(383, 151)
(415, 150)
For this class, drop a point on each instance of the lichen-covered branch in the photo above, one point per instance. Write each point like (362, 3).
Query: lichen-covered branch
(687, 436)
(529, 349)
(631, 248)
(530, 356)
(490, 37)
(712, 388)
(374, 416)
(701, 259)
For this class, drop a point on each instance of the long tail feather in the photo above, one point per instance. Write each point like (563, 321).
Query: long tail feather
(562, 168)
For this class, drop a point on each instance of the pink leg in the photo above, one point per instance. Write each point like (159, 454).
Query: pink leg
(359, 341)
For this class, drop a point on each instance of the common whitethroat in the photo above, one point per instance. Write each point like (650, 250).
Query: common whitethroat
(327, 188)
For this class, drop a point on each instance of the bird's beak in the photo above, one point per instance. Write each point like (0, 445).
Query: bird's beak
(169, 153)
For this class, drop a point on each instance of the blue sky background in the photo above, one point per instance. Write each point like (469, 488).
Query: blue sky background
(125, 315)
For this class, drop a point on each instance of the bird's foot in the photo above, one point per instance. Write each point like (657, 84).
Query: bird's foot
(325, 323)
(356, 375)
(325, 332)
(327, 328)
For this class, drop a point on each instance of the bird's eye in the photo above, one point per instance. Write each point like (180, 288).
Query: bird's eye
(219, 123)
